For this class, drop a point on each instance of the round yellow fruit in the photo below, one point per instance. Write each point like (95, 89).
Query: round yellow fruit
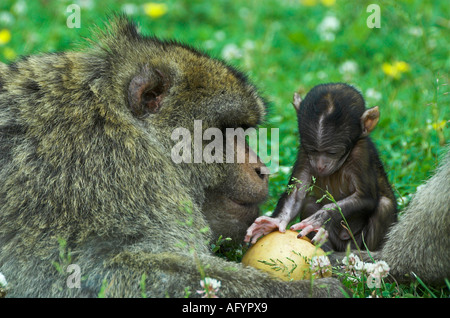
(285, 256)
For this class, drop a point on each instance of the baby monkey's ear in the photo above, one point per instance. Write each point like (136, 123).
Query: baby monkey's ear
(297, 101)
(369, 120)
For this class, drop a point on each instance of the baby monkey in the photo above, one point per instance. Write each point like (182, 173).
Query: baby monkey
(335, 151)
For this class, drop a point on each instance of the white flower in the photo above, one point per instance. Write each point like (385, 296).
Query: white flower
(86, 4)
(231, 51)
(20, 7)
(220, 35)
(320, 265)
(326, 29)
(210, 287)
(371, 93)
(130, 8)
(375, 273)
(329, 23)
(381, 268)
(249, 45)
(3, 281)
(373, 281)
(348, 67)
(6, 18)
(351, 260)
(415, 31)
(214, 283)
(209, 44)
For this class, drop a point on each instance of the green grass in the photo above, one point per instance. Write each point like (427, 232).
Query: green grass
(278, 43)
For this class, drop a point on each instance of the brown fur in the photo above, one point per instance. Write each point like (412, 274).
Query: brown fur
(85, 157)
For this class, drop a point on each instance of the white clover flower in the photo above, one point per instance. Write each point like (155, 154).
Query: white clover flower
(329, 23)
(20, 7)
(348, 67)
(373, 281)
(209, 44)
(376, 272)
(320, 265)
(6, 18)
(381, 268)
(371, 93)
(3, 281)
(231, 51)
(86, 4)
(249, 45)
(353, 266)
(220, 35)
(350, 261)
(130, 8)
(415, 31)
(368, 267)
(359, 265)
(326, 29)
(210, 287)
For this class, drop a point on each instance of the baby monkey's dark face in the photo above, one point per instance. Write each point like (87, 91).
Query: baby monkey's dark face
(325, 160)
(329, 125)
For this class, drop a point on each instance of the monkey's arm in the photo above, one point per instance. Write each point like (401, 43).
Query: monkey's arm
(288, 205)
(171, 274)
(287, 208)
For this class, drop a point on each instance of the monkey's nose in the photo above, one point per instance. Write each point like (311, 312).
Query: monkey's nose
(321, 168)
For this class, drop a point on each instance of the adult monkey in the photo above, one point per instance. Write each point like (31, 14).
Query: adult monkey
(85, 156)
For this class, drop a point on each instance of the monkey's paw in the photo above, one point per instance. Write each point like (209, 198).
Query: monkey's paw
(313, 223)
(262, 226)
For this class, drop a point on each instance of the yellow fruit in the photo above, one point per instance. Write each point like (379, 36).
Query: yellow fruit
(285, 256)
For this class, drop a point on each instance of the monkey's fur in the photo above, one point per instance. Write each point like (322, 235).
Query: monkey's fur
(420, 242)
(85, 157)
(425, 223)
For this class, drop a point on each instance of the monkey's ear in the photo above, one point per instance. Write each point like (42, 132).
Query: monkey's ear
(369, 120)
(146, 91)
(297, 101)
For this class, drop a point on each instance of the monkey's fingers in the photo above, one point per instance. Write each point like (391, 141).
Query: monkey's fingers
(262, 226)
(282, 226)
(308, 229)
(299, 226)
(321, 237)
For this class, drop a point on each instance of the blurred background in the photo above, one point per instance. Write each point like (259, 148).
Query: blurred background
(287, 46)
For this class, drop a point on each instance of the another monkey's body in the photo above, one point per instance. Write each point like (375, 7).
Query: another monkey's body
(335, 150)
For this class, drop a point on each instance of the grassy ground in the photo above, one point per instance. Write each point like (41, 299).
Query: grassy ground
(292, 45)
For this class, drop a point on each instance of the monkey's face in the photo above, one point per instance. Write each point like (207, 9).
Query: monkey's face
(329, 126)
(326, 145)
(191, 93)
(325, 161)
